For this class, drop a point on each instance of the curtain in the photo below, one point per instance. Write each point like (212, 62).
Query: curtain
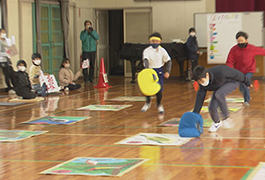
(65, 24)
(38, 25)
(234, 5)
(4, 15)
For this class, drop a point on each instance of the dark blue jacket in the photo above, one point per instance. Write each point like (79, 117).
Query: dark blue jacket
(219, 75)
(192, 47)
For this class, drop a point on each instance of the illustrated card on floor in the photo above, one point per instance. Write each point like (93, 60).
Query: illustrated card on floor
(91, 166)
(17, 135)
(129, 98)
(104, 107)
(175, 122)
(230, 109)
(155, 139)
(66, 120)
(257, 174)
(230, 100)
(11, 103)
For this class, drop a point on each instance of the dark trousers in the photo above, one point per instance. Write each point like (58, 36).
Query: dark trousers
(7, 73)
(25, 92)
(91, 56)
(218, 100)
(73, 86)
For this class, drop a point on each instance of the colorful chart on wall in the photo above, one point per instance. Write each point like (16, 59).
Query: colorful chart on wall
(230, 109)
(17, 135)
(129, 98)
(66, 120)
(257, 174)
(104, 107)
(91, 166)
(155, 139)
(175, 122)
(230, 100)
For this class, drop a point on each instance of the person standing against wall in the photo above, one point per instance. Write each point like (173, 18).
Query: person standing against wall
(242, 57)
(5, 62)
(193, 49)
(89, 36)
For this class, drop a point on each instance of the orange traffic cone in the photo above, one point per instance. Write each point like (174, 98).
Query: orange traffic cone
(102, 79)
(195, 86)
(256, 85)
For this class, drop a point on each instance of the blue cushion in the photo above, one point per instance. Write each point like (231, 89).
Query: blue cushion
(190, 125)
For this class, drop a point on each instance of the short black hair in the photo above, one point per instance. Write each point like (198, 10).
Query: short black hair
(21, 62)
(199, 72)
(192, 30)
(64, 61)
(86, 22)
(155, 34)
(241, 33)
(35, 55)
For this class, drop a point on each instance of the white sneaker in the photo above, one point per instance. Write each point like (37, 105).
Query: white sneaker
(11, 91)
(228, 123)
(215, 126)
(146, 107)
(160, 109)
(246, 104)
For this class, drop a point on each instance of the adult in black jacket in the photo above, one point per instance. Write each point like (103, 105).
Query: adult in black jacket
(22, 84)
(222, 80)
(192, 48)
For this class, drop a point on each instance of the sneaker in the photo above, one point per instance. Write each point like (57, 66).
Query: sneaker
(11, 91)
(146, 107)
(246, 104)
(215, 126)
(228, 123)
(160, 109)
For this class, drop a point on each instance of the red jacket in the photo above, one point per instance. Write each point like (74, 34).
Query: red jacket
(243, 59)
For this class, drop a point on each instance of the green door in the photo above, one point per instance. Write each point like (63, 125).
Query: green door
(51, 38)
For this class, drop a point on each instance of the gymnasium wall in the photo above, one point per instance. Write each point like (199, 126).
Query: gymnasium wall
(171, 18)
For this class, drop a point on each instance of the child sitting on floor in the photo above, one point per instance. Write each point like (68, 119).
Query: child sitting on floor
(66, 76)
(22, 84)
(34, 73)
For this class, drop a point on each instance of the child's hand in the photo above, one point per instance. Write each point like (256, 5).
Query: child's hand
(166, 75)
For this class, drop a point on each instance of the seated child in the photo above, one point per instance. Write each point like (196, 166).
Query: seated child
(22, 84)
(34, 73)
(66, 76)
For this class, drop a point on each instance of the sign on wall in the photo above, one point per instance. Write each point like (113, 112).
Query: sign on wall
(221, 31)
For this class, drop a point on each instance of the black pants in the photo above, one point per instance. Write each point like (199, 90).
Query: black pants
(73, 86)
(194, 63)
(91, 56)
(7, 73)
(25, 92)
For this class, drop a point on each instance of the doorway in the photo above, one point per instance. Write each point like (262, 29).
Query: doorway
(116, 27)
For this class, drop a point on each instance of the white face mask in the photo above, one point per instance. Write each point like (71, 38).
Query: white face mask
(67, 65)
(21, 68)
(206, 82)
(3, 35)
(37, 62)
(192, 34)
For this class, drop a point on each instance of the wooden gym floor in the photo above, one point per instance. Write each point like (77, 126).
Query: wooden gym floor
(229, 155)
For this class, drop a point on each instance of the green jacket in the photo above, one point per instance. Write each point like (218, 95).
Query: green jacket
(89, 41)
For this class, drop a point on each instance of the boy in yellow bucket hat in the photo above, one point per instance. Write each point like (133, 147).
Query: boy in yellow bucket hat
(155, 57)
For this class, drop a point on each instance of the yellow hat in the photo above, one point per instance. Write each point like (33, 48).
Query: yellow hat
(147, 81)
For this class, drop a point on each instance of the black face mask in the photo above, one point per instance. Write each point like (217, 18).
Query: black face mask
(242, 45)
